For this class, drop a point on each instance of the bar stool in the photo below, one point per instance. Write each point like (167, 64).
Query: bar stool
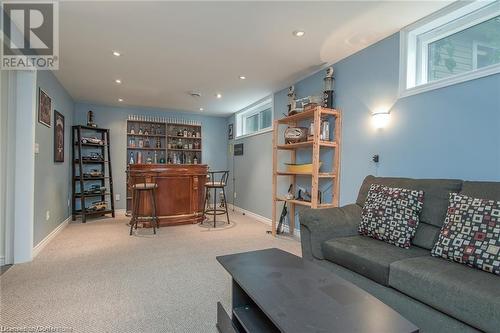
(143, 182)
(218, 180)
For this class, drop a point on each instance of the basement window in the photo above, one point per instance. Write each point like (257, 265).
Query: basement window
(457, 44)
(256, 118)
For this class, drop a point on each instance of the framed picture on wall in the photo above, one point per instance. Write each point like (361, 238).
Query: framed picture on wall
(58, 137)
(44, 107)
(230, 134)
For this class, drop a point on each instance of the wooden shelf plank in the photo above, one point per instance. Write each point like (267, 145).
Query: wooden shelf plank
(298, 202)
(176, 149)
(146, 148)
(307, 144)
(91, 162)
(184, 137)
(148, 135)
(93, 212)
(307, 115)
(92, 195)
(326, 205)
(91, 145)
(327, 175)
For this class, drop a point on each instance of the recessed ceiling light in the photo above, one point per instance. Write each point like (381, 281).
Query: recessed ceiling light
(242, 77)
(118, 81)
(201, 109)
(116, 53)
(298, 33)
(218, 95)
(120, 99)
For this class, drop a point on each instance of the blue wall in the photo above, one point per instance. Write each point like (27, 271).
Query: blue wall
(52, 180)
(214, 137)
(450, 132)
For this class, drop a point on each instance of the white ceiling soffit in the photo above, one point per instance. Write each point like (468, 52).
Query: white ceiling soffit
(171, 48)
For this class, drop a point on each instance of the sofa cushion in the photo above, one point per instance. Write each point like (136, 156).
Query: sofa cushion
(426, 235)
(483, 190)
(367, 256)
(471, 233)
(464, 293)
(391, 214)
(435, 204)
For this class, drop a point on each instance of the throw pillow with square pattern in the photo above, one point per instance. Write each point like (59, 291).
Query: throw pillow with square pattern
(391, 214)
(471, 233)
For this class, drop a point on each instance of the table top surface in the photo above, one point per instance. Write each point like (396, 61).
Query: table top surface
(300, 296)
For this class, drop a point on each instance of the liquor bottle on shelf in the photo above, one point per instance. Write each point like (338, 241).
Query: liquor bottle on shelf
(185, 132)
(155, 158)
(146, 132)
(193, 134)
(195, 160)
(158, 142)
(146, 143)
(131, 160)
(325, 130)
(149, 160)
(162, 158)
(140, 131)
(179, 144)
(141, 143)
(132, 130)
(139, 157)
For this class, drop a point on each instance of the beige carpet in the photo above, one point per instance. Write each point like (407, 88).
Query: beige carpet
(94, 277)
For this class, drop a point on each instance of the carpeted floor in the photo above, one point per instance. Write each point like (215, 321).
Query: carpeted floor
(94, 277)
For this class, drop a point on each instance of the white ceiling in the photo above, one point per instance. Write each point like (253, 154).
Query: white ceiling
(171, 48)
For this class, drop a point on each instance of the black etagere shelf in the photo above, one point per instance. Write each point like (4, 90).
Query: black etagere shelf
(92, 176)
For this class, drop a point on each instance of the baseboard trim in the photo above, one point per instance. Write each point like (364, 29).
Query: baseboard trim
(264, 220)
(43, 243)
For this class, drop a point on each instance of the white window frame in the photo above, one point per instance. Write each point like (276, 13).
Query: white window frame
(475, 45)
(251, 110)
(414, 41)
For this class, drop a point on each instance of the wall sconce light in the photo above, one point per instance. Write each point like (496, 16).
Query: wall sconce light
(381, 117)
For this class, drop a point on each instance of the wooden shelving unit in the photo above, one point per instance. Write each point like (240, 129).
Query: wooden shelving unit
(314, 115)
(163, 138)
(186, 146)
(82, 163)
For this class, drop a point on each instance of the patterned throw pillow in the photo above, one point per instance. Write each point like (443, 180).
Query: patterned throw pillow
(471, 233)
(391, 214)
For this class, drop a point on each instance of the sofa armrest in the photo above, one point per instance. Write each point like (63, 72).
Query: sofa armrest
(320, 225)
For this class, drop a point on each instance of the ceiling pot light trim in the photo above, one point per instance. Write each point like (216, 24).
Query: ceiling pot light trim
(118, 81)
(116, 53)
(299, 33)
(218, 95)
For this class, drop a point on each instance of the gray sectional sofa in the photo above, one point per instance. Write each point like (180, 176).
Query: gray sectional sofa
(435, 294)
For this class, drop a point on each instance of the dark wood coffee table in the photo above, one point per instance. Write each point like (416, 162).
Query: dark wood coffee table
(276, 291)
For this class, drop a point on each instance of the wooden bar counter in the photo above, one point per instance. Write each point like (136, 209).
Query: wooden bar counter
(180, 196)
